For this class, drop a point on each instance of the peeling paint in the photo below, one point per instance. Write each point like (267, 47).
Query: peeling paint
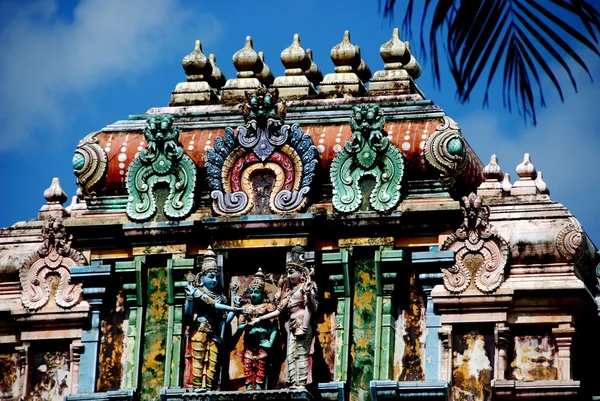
(50, 377)
(472, 369)
(412, 364)
(534, 359)
(112, 346)
(9, 376)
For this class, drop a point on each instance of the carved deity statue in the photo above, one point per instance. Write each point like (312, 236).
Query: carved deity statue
(258, 338)
(205, 307)
(299, 299)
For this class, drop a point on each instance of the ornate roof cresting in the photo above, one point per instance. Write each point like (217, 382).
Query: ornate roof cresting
(164, 160)
(264, 144)
(48, 271)
(480, 253)
(367, 153)
(445, 150)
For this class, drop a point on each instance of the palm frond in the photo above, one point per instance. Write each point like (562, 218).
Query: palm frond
(530, 39)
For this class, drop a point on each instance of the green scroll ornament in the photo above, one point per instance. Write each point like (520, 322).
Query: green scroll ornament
(369, 152)
(164, 160)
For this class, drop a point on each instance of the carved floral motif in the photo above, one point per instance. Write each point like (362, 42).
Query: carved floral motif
(368, 153)
(263, 144)
(90, 164)
(48, 270)
(479, 250)
(570, 241)
(164, 160)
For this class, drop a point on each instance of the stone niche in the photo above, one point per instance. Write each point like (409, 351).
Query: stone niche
(533, 357)
(472, 362)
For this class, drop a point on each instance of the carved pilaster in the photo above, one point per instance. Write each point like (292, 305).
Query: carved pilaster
(75, 357)
(445, 334)
(501, 343)
(563, 335)
(23, 351)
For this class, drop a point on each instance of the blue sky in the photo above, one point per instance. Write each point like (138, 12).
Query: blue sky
(71, 67)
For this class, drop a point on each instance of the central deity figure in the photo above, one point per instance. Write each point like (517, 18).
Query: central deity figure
(258, 338)
(301, 302)
(206, 307)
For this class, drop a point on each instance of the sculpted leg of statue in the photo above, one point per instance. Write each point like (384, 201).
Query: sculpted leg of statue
(297, 357)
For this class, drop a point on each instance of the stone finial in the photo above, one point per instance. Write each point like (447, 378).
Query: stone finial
(527, 174)
(362, 70)
(246, 61)
(216, 79)
(196, 90)
(492, 174)
(394, 78)
(196, 65)
(506, 184)
(541, 184)
(78, 204)
(248, 64)
(412, 67)
(313, 73)
(265, 76)
(295, 84)
(344, 82)
(55, 197)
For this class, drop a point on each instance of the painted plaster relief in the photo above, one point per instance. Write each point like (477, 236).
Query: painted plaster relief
(49, 376)
(472, 368)
(112, 347)
(410, 334)
(9, 374)
(534, 359)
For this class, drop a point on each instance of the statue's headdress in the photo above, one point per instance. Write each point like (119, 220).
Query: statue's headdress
(209, 263)
(296, 259)
(258, 281)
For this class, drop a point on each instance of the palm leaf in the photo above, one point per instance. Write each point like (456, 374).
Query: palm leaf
(531, 39)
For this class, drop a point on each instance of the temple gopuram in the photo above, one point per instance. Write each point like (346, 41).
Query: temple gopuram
(302, 237)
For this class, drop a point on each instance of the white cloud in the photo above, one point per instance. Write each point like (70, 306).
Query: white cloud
(565, 146)
(46, 57)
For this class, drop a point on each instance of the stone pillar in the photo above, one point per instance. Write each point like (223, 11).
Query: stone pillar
(501, 343)
(564, 338)
(445, 334)
(23, 351)
(341, 285)
(75, 360)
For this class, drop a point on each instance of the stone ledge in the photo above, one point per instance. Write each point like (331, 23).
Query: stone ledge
(178, 393)
(389, 389)
(512, 390)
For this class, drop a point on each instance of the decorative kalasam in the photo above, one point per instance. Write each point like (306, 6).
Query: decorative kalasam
(479, 250)
(446, 151)
(164, 160)
(258, 338)
(299, 299)
(90, 165)
(263, 144)
(207, 313)
(48, 270)
(368, 153)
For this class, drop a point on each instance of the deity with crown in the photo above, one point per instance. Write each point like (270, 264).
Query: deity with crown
(208, 312)
(299, 299)
(258, 338)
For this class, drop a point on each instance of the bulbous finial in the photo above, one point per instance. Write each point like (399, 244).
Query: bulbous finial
(216, 79)
(345, 55)
(54, 194)
(541, 184)
(362, 70)
(493, 171)
(412, 67)
(505, 184)
(196, 65)
(294, 58)
(394, 52)
(313, 73)
(265, 76)
(246, 60)
(526, 170)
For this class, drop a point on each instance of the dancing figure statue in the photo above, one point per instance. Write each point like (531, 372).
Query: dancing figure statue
(258, 338)
(301, 302)
(205, 307)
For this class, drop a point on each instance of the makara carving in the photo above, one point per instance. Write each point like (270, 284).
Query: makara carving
(208, 314)
(47, 273)
(264, 146)
(164, 160)
(368, 153)
(479, 251)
